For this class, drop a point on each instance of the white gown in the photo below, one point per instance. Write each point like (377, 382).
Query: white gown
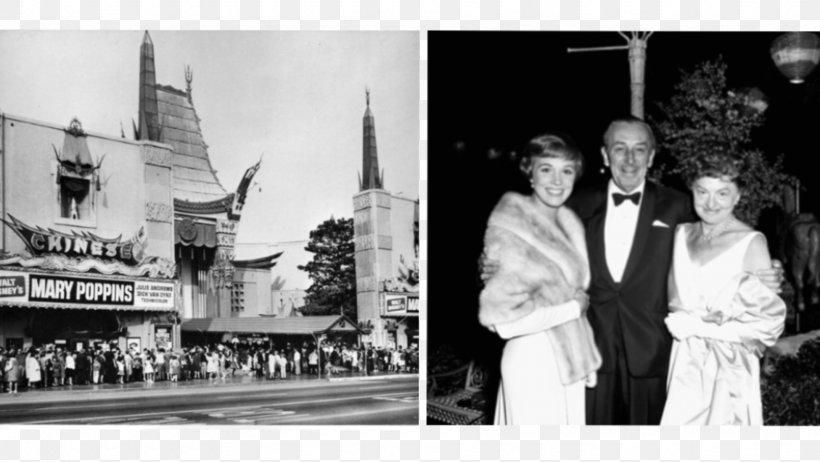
(531, 391)
(714, 375)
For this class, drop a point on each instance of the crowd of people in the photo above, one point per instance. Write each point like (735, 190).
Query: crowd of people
(53, 366)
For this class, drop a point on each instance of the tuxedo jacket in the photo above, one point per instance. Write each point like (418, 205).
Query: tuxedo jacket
(629, 315)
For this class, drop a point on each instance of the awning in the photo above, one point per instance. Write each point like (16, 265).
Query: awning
(75, 306)
(302, 325)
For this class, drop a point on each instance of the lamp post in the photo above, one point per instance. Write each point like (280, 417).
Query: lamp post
(636, 44)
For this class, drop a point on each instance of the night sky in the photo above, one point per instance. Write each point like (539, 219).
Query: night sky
(496, 90)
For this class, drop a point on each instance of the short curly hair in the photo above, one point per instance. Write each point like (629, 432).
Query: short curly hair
(551, 145)
(720, 163)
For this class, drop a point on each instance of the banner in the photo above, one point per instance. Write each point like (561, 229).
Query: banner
(41, 241)
(401, 305)
(26, 287)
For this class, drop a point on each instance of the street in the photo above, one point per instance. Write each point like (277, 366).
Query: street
(391, 401)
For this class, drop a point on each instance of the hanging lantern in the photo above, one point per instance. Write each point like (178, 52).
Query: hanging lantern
(796, 54)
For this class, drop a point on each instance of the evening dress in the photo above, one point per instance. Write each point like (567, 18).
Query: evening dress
(727, 318)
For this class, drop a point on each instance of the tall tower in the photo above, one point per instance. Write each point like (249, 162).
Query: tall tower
(148, 111)
(370, 156)
(372, 235)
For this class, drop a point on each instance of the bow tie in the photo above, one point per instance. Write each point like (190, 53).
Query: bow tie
(620, 198)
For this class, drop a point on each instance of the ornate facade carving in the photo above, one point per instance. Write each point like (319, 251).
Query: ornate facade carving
(225, 240)
(153, 155)
(226, 226)
(361, 201)
(153, 267)
(364, 242)
(157, 211)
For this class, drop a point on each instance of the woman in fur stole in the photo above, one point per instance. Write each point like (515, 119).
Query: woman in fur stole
(536, 270)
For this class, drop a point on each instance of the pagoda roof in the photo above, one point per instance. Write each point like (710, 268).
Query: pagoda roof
(195, 180)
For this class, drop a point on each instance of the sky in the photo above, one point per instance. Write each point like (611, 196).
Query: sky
(294, 98)
(523, 83)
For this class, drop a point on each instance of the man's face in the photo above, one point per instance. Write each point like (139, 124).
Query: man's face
(628, 154)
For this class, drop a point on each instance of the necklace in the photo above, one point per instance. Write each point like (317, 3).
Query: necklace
(716, 231)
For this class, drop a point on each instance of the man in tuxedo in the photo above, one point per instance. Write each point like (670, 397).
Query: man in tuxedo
(630, 225)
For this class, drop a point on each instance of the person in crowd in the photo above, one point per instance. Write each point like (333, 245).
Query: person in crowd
(283, 365)
(81, 367)
(160, 366)
(297, 362)
(196, 364)
(212, 365)
(128, 359)
(45, 367)
(537, 272)
(70, 367)
(138, 375)
(630, 224)
(11, 371)
(58, 368)
(148, 366)
(313, 362)
(174, 366)
(273, 363)
(121, 369)
(722, 317)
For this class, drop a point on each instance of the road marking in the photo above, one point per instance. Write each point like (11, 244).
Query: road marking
(349, 414)
(408, 399)
(208, 410)
(163, 420)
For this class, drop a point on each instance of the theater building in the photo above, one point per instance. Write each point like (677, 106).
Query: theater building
(105, 239)
(386, 234)
(86, 254)
(206, 215)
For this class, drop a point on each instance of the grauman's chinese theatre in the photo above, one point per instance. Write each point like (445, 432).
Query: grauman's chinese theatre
(386, 235)
(206, 216)
(106, 239)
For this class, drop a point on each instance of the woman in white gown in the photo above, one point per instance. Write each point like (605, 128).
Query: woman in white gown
(722, 317)
(536, 270)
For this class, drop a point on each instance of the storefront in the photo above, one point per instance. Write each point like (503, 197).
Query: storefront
(401, 318)
(86, 243)
(81, 312)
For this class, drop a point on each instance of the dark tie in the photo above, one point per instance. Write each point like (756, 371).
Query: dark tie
(620, 198)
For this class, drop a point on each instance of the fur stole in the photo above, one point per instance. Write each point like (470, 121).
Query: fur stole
(538, 263)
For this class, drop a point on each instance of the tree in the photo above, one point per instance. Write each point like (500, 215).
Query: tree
(704, 116)
(332, 270)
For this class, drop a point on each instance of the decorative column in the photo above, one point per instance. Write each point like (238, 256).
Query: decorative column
(374, 245)
(222, 271)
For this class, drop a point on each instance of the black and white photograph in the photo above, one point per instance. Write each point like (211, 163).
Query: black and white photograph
(623, 228)
(216, 228)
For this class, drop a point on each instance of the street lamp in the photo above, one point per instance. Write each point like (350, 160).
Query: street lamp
(636, 44)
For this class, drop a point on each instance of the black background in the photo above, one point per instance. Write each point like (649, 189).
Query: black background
(496, 90)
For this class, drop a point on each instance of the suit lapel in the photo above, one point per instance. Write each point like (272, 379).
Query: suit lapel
(595, 239)
(642, 232)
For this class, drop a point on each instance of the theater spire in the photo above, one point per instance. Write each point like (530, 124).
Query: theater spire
(370, 177)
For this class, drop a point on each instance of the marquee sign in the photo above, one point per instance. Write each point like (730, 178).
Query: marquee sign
(28, 287)
(401, 305)
(41, 241)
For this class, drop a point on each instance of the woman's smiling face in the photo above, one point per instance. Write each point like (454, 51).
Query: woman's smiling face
(552, 179)
(715, 198)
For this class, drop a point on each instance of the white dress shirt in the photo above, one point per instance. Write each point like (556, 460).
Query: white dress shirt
(619, 229)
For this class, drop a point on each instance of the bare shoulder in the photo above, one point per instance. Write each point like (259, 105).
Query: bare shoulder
(757, 254)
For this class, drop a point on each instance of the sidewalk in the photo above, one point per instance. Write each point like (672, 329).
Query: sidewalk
(191, 387)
